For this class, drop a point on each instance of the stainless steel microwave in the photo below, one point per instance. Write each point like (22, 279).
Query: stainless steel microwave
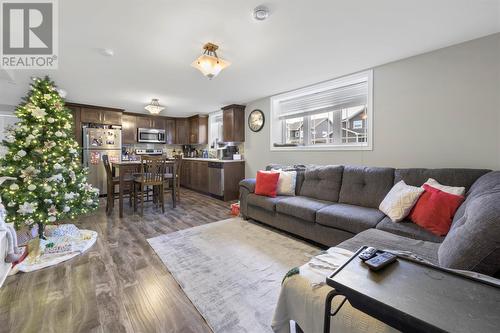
(151, 135)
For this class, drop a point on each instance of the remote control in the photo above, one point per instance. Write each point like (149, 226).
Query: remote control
(367, 253)
(381, 261)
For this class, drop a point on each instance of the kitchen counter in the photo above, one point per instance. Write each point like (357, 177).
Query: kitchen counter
(185, 159)
(210, 160)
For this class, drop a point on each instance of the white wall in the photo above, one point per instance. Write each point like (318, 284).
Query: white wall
(439, 109)
(7, 118)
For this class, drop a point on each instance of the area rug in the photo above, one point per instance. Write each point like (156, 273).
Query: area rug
(232, 270)
(64, 241)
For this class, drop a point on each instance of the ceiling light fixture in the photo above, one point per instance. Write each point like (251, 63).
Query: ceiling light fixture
(209, 63)
(260, 13)
(154, 107)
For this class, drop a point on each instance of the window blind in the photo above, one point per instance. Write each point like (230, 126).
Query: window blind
(346, 96)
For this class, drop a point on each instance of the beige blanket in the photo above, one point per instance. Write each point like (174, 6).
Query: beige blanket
(302, 299)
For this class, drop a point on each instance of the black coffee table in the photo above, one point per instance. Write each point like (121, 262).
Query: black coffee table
(415, 297)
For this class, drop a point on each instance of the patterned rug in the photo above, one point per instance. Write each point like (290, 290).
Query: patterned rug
(232, 270)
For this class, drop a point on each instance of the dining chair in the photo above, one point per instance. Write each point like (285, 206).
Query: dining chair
(178, 169)
(112, 182)
(153, 169)
(172, 179)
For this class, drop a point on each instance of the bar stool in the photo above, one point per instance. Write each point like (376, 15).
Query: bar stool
(172, 179)
(153, 169)
(112, 182)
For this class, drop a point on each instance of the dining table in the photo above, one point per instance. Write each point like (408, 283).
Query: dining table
(123, 168)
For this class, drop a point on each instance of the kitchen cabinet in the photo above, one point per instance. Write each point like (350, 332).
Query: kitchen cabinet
(96, 115)
(77, 127)
(155, 122)
(194, 175)
(111, 117)
(200, 176)
(234, 172)
(142, 122)
(233, 123)
(198, 129)
(129, 129)
(181, 131)
(169, 130)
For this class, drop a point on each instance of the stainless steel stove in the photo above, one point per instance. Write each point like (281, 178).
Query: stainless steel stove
(149, 152)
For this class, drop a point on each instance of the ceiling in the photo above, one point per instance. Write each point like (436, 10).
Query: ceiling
(302, 42)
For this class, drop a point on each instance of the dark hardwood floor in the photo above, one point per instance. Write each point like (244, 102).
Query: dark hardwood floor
(119, 285)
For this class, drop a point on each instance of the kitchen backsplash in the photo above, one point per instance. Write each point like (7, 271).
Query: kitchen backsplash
(171, 150)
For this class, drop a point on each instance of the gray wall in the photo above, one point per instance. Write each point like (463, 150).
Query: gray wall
(439, 109)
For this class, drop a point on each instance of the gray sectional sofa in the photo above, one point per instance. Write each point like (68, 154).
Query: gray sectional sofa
(338, 206)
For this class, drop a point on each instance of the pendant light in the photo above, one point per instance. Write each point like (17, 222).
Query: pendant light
(209, 63)
(154, 107)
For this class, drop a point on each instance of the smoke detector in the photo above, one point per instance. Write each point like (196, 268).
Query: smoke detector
(107, 52)
(260, 13)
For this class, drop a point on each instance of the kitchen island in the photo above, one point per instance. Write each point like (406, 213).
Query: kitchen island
(215, 177)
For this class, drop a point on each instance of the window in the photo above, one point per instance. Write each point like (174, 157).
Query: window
(215, 129)
(333, 115)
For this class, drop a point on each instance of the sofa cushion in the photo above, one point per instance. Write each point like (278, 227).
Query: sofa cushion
(365, 186)
(267, 203)
(449, 177)
(301, 207)
(409, 229)
(435, 210)
(473, 243)
(267, 183)
(386, 241)
(299, 168)
(398, 203)
(322, 182)
(348, 217)
(287, 183)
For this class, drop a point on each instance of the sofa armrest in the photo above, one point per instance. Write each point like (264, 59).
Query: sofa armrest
(249, 184)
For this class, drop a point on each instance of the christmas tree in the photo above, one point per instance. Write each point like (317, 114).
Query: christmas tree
(49, 183)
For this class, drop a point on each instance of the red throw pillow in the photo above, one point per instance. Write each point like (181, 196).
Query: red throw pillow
(435, 209)
(267, 183)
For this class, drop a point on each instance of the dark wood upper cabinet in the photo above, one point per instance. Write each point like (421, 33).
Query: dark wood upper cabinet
(111, 117)
(129, 129)
(233, 123)
(146, 121)
(181, 131)
(99, 115)
(198, 129)
(157, 122)
(142, 122)
(90, 115)
(170, 130)
(77, 127)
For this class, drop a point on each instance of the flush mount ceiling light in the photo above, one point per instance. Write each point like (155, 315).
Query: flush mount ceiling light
(209, 63)
(154, 107)
(260, 13)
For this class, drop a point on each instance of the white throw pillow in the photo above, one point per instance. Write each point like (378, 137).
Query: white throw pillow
(398, 203)
(448, 189)
(286, 183)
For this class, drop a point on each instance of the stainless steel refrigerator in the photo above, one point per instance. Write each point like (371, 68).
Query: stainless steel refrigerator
(96, 143)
